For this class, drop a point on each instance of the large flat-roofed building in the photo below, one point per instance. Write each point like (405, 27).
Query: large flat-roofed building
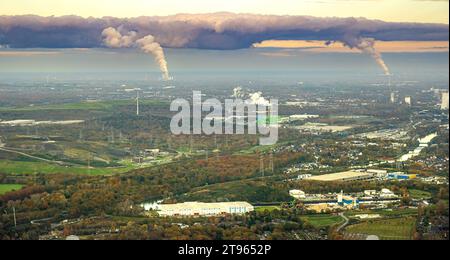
(344, 176)
(298, 194)
(204, 209)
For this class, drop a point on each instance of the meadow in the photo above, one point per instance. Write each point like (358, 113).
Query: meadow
(267, 208)
(93, 106)
(323, 220)
(5, 188)
(386, 229)
(16, 167)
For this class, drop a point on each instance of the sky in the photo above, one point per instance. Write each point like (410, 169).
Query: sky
(424, 11)
(368, 26)
(382, 46)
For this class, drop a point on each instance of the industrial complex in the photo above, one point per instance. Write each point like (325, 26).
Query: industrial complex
(320, 203)
(361, 175)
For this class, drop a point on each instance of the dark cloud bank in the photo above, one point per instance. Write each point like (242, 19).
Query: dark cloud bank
(207, 31)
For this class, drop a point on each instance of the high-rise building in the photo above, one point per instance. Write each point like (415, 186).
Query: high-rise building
(444, 103)
(408, 101)
(393, 97)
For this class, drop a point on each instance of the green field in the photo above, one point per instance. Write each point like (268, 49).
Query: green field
(385, 213)
(100, 105)
(5, 188)
(419, 194)
(321, 221)
(387, 229)
(267, 208)
(15, 167)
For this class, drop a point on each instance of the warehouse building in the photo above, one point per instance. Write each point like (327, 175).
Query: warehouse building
(194, 209)
(345, 176)
(401, 176)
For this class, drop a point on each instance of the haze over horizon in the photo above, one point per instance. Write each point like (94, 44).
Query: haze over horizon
(422, 11)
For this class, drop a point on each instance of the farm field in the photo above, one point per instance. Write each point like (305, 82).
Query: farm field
(14, 167)
(387, 229)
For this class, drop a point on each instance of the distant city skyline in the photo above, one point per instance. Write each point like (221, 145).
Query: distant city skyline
(423, 11)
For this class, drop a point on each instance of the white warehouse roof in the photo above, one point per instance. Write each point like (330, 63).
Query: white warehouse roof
(204, 209)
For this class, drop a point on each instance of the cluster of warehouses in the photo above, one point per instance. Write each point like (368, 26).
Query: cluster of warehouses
(239, 208)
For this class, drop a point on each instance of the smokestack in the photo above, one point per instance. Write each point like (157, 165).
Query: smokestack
(393, 97)
(137, 103)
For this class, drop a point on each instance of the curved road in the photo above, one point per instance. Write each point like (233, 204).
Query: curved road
(346, 220)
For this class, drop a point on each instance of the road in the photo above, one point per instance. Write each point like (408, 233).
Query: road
(346, 220)
(31, 156)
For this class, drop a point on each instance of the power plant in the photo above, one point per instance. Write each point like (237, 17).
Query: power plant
(393, 97)
(115, 38)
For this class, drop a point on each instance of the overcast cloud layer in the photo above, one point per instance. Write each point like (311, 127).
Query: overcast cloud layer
(207, 31)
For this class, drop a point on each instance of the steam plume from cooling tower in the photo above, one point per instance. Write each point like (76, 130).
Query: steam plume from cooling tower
(367, 45)
(218, 31)
(149, 45)
(238, 92)
(258, 99)
(113, 38)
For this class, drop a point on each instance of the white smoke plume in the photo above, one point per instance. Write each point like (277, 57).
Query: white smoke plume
(219, 31)
(238, 92)
(113, 38)
(149, 45)
(367, 45)
(258, 99)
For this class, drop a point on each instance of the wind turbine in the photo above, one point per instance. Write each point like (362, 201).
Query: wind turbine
(391, 89)
(137, 102)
